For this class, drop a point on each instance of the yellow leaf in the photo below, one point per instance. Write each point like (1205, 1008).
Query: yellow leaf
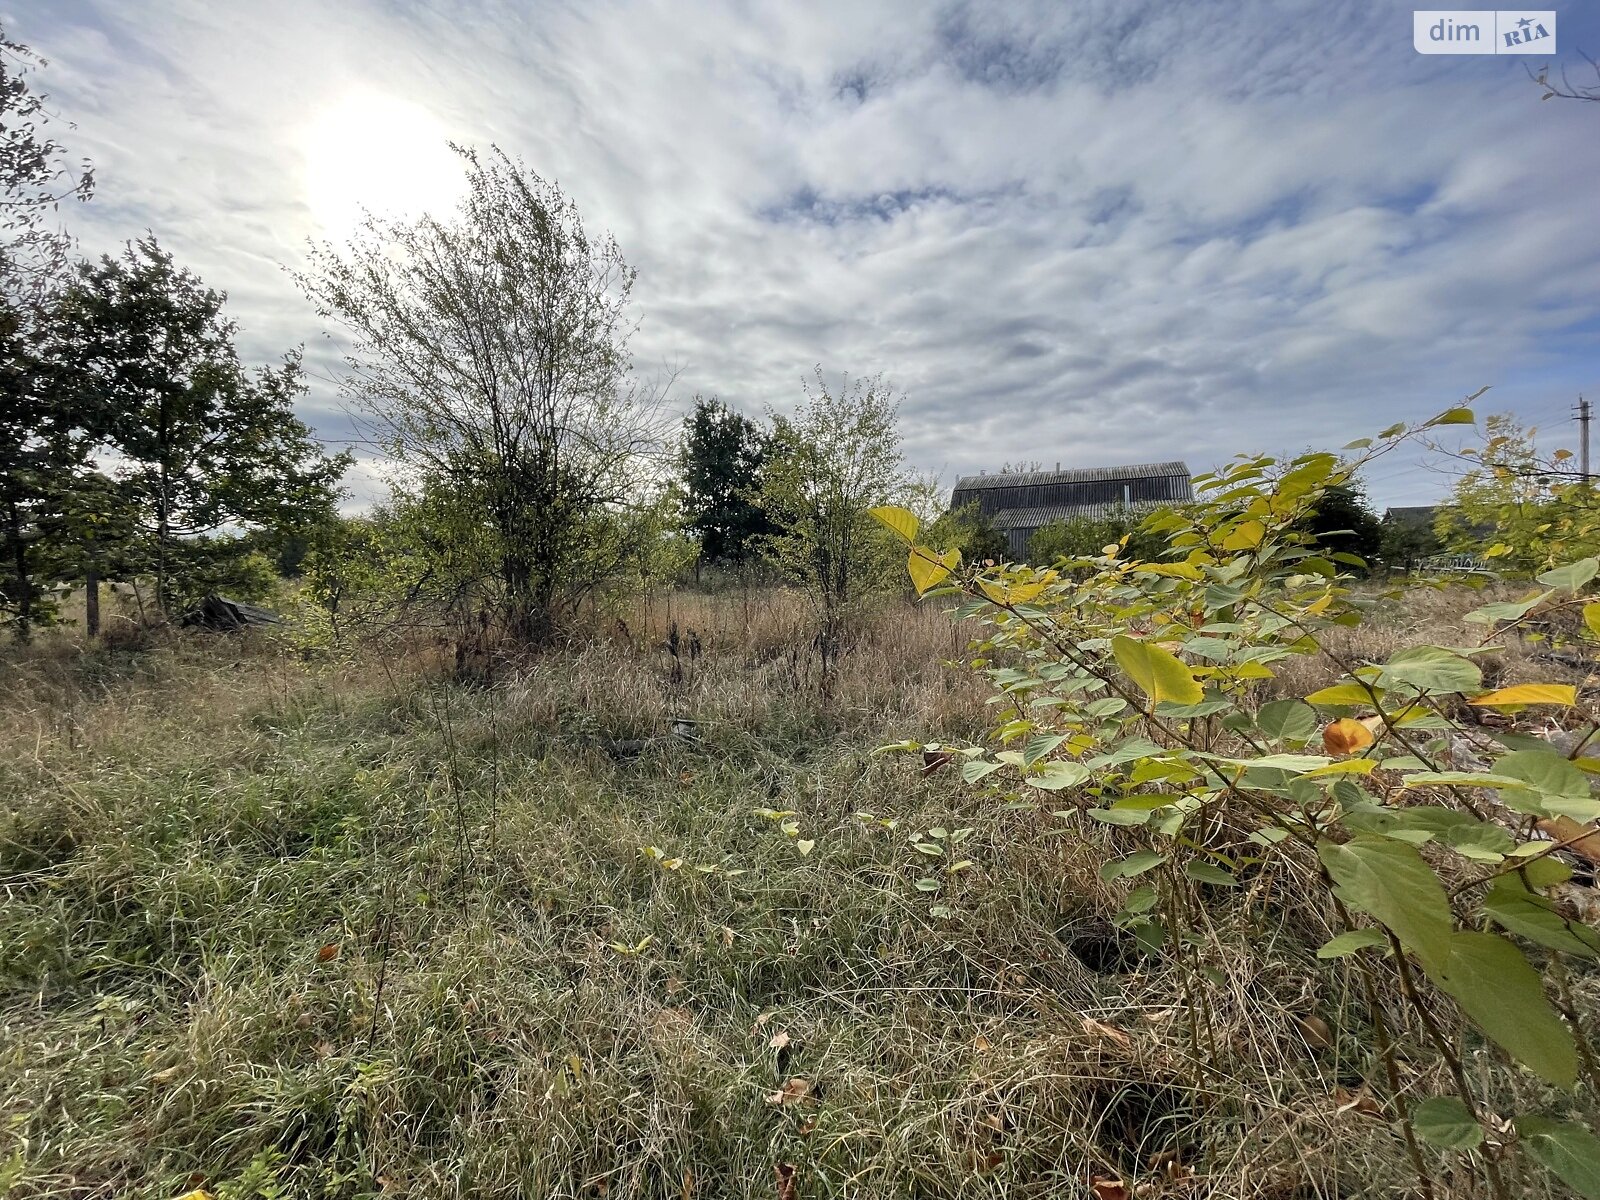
(1345, 736)
(1253, 670)
(929, 569)
(1341, 693)
(1110, 551)
(1022, 593)
(899, 521)
(1320, 606)
(197, 1194)
(995, 591)
(1247, 535)
(1591, 618)
(1347, 766)
(1160, 674)
(1529, 693)
(1181, 570)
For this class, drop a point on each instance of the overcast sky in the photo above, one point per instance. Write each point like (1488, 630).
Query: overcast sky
(1088, 232)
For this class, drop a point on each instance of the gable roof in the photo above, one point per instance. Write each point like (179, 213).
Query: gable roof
(1413, 514)
(1074, 475)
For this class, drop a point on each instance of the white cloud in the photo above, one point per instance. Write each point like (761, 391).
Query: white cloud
(1108, 231)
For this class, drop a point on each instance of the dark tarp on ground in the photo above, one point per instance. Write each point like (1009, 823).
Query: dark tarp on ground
(219, 612)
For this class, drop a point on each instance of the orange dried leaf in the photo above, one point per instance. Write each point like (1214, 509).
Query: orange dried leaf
(328, 952)
(1345, 736)
(1317, 1033)
(980, 1163)
(793, 1092)
(1360, 1101)
(1109, 1032)
(1582, 840)
(1109, 1187)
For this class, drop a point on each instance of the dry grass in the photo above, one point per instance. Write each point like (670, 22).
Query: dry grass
(282, 929)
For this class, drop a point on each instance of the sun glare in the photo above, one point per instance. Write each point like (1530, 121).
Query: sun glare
(368, 150)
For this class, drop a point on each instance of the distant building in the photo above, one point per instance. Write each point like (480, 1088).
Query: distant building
(1418, 516)
(1019, 505)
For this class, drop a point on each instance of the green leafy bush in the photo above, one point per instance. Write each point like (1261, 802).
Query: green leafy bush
(1138, 695)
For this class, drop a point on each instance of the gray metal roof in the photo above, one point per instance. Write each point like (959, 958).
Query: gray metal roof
(1034, 518)
(1075, 475)
(1413, 514)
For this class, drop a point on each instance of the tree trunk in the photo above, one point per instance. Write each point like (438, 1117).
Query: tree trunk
(91, 603)
(24, 592)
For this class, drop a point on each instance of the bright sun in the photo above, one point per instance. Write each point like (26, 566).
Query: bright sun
(374, 151)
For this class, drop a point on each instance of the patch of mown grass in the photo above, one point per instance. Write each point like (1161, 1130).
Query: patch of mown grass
(353, 933)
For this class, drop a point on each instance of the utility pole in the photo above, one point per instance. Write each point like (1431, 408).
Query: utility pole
(1583, 438)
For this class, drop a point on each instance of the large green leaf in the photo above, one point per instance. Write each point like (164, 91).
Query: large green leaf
(1136, 863)
(1495, 986)
(1287, 720)
(1350, 942)
(1039, 745)
(1390, 881)
(1547, 772)
(1208, 873)
(1572, 576)
(1517, 910)
(1569, 1152)
(1159, 673)
(1464, 833)
(1062, 773)
(1507, 610)
(1445, 1122)
(1432, 669)
(975, 769)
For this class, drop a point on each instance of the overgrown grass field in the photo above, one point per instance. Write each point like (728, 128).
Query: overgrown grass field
(610, 922)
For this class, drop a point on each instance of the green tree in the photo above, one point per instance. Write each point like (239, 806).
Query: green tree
(1405, 542)
(1148, 700)
(1086, 537)
(1520, 506)
(44, 449)
(1343, 522)
(491, 360)
(969, 531)
(205, 449)
(720, 462)
(836, 457)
